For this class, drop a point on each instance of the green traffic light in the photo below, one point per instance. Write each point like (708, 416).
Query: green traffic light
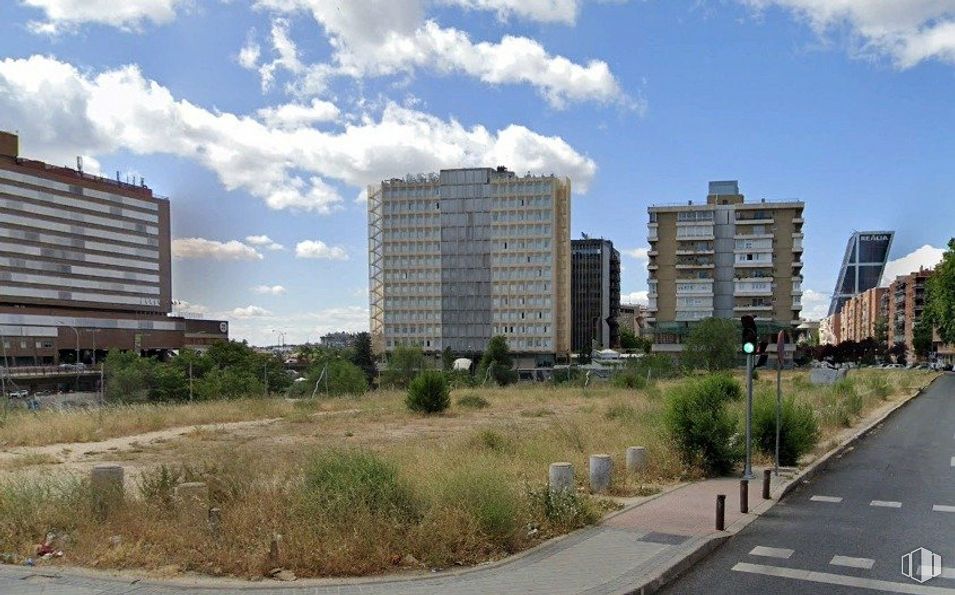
(748, 348)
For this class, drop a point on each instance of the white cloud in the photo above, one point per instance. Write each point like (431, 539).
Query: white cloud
(264, 241)
(393, 37)
(188, 309)
(909, 31)
(269, 289)
(546, 11)
(249, 55)
(319, 249)
(249, 312)
(298, 326)
(925, 257)
(635, 297)
(130, 15)
(194, 248)
(63, 112)
(641, 254)
(815, 305)
(295, 115)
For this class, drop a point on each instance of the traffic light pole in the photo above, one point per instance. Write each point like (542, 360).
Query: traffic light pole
(748, 471)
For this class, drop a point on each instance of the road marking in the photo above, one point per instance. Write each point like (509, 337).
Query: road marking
(834, 499)
(886, 504)
(771, 552)
(851, 562)
(943, 508)
(840, 579)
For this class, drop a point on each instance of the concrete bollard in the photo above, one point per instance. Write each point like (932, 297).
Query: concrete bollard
(636, 459)
(720, 512)
(192, 502)
(601, 468)
(744, 496)
(561, 478)
(106, 484)
(766, 485)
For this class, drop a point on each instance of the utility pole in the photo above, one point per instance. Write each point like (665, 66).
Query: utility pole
(780, 355)
(750, 337)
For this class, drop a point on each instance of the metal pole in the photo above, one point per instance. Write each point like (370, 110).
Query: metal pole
(3, 376)
(720, 512)
(744, 496)
(779, 408)
(748, 471)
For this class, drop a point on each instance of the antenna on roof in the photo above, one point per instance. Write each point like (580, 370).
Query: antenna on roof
(79, 163)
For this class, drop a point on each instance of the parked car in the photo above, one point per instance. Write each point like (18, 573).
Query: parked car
(20, 394)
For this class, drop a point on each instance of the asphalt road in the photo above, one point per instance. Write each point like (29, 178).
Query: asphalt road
(847, 530)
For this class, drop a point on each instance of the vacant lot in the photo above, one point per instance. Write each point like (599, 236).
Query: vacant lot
(354, 486)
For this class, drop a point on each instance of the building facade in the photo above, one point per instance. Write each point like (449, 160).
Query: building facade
(830, 329)
(862, 265)
(724, 258)
(459, 256)
(906, 301)
(339, 340)
(634, 318)
(84, 266)
(595, 294)
(860, 315)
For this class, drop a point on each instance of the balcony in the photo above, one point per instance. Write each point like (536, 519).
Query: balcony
(754, 218)
(753, 263)
(691, 247)
(749, 288)
(695, 263)
(753, 308)
(797, 245)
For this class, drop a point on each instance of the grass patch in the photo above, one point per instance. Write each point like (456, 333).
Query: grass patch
(473, 401)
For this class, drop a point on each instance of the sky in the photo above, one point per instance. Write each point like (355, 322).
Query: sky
(263, 121)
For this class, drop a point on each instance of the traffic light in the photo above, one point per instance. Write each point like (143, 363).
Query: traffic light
(749, 334)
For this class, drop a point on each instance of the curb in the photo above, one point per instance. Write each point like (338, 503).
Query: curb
(704, 546)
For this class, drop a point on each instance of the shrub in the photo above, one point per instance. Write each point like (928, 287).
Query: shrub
(622, 412)
(630, 377)
(564, 510)
(342, 483)
(879, 386)
(657, 366)
(798, 433)
(722, 384)
(711, 345)
(494, 441)
(702, 430)
(847, 394)
(428, 393)
(341, 378)
(460, 378)
(472, 401)
(567, 376)
(490, 500)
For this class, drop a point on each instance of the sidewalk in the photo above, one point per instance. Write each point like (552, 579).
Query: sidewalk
(623, 552)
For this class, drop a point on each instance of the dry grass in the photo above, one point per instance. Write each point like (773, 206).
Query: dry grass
(459, 488)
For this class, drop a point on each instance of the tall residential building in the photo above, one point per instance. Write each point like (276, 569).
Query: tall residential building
(595, 294)
(860, 314)
(906, 301)
(724, 258)
(862, 265)
(634, 318)
(465, 254)
(830, 328)
(84, 266)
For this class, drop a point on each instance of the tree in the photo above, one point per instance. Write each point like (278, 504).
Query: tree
(363, 357)
(898, 351)
(712, 345)
(403, 365)
(922, 337)
(940, 296)
(447, 359)
(631, 342)
(497, 358)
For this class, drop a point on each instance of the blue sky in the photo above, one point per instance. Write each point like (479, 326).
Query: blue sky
(267, 118)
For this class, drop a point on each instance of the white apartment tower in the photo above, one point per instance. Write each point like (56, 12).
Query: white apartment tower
(465, 254)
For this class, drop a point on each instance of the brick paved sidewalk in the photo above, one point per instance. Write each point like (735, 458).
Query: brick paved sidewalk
(622, 553)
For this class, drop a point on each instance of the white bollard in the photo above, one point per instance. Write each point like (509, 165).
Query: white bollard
(636, 459)
(561, 478)
(106, 484)
(601, 467)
